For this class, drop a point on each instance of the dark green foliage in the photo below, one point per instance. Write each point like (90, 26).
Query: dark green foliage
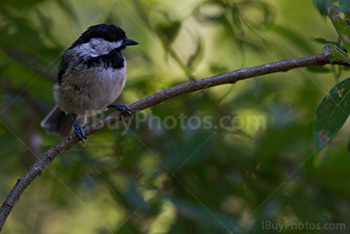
(250, 159)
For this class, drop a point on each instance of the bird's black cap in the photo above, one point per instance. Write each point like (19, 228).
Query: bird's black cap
(109, 32)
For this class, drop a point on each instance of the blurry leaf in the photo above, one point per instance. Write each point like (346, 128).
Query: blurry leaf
(236, 16)
(68, 10)
(344, 5)
(335, 52)
(112, 18)
(218, 68)
(195, 58)
(212, 11)
(142, 11)
(192, 153)
(318, 69)
(18, 4)
(331, 113)
(135, 199)
(337, 71)
(322, 5)
(204, 215)
(267, 14)
(46, 25)
(340, 25)
(322, 41)
(295, 38)
(45, 22)
(168, 31)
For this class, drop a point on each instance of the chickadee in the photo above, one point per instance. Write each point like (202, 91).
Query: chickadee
(91, 76)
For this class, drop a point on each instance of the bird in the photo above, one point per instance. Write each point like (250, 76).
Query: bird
(91, 76)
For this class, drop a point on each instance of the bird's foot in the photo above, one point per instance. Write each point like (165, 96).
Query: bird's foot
(80, 132)
(124, 110)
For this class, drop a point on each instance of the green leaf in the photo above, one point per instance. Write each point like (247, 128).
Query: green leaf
(294, 38)
(331, 113)
(344, 5)
(322, 41)
(318, 69)
(340, 25)
(168, 31)
(214, 15)
(197, 56)
(335, 52)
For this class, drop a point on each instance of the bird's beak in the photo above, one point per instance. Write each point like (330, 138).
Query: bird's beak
(129, 42)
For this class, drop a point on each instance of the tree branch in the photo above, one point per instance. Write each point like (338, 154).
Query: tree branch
(187, 87)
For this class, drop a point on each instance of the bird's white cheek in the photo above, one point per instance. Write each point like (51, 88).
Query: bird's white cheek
(117, 44)
(97, 47)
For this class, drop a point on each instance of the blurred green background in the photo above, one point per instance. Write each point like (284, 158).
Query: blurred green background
(168, 172)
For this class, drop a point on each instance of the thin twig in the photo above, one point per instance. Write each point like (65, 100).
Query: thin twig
(190, 86)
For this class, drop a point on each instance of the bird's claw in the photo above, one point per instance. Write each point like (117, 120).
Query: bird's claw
(124, 109)
(80, 132)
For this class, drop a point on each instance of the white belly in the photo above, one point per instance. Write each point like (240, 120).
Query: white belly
(89, 92)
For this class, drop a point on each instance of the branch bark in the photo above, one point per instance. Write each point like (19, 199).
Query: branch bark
(187, 87)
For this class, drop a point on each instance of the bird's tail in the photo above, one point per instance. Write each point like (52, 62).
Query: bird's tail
(58, 121)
